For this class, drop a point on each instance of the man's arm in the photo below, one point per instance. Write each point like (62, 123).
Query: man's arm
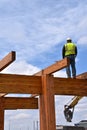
(76, 50)
(63, 52)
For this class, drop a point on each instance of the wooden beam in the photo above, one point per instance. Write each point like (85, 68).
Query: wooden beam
(32, 84)
(11, 83)
(39, 73)
(2, 94)
(7, 60)
(82, 76)
(19, 103)
(65, 86)
(1, 115)
(54, 67)
(47, 106)
(57, 66)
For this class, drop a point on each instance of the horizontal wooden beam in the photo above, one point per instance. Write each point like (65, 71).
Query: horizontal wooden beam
(66, 86)
(7, 60)
(19, 103)
(11, 83)
(81, 76)
(65, 90)
(54, 67)
(32, 84)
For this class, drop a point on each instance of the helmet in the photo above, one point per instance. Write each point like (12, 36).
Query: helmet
(68, 39)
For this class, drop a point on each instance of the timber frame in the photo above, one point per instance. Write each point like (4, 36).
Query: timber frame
(43, 84)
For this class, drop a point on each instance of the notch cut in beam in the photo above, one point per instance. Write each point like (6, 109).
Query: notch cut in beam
(19, 103)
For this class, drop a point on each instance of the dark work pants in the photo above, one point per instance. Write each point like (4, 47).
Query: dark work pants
(71, 69)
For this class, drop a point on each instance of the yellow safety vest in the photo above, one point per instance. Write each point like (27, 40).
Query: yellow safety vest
(69, 49)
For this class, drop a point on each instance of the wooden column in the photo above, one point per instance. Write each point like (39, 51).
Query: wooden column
(1, 115)
(47, 106)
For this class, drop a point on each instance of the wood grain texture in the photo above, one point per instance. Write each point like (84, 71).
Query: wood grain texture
(47, 106)
(82, 76)
(19, 103)
(54, 67)
(1, 115)
(7, 60)
(65, 86)
(11, 83)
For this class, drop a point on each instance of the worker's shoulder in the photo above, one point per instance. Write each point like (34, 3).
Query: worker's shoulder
(74, 43)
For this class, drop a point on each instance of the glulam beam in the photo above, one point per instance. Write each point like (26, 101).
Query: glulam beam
(7, 60)
(10, 103)
(47, 104)
(11, 83)
(66, 86)
(1, 115)
(54, 67)
(82, 76)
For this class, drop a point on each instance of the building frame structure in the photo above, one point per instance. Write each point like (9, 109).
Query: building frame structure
(43, 84)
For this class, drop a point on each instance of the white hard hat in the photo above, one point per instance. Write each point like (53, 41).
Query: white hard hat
(68, 38)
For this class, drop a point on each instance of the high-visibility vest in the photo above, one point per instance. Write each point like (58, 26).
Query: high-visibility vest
(69, 49)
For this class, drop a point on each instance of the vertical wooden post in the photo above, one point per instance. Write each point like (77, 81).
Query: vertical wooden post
(47, 106)
(1, 115)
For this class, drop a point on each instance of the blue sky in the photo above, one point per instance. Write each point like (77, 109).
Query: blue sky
(37, 30)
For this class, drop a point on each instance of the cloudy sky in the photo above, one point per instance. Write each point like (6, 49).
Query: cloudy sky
(37, 30)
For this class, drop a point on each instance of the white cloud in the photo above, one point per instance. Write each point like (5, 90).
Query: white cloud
(13, 32)
(45, 32)
(60, 74)
(83, 40)
(21, 67)
(21, 116)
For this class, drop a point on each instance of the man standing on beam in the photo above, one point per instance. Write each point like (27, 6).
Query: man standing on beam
(69, 50)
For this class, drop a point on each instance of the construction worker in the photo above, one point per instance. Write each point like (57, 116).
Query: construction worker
(70, 50)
